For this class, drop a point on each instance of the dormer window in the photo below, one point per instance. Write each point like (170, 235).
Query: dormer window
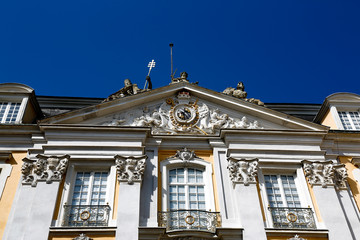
(350, 120)
(9, 112)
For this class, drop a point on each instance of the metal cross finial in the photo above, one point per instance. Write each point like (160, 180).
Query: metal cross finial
(150, 66)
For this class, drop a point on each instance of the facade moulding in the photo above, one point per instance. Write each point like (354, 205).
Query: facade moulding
(242, 170)
(44, 168)
(325, 173)
(130, 169)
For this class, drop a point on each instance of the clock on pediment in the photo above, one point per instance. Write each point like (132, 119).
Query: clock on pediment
(184, 114)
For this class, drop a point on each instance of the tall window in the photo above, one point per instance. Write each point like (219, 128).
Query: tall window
(90, 188)
(350, 120)
(186, 189)
(9, 112)
(89, 200)
(281, 191)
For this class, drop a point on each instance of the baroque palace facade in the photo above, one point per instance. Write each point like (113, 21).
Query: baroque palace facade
(178, 162)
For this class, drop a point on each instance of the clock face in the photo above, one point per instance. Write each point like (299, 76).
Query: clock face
(184, 115)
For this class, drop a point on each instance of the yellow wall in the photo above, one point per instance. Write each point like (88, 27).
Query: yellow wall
(10, 188)
(206, 155)
(329, 121)
(302, 236)
(93, 236)
(354, 185)
(314, 202)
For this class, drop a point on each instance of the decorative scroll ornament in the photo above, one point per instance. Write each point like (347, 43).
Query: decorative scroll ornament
(243, 170)
(185, 155)
(82, 236)
(296, 237)
(319, 173)
(184, 115)
(130, 168)
(44, 168)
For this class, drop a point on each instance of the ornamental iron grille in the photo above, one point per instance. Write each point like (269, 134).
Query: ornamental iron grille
(86, 215)
(199, 220)
(284, 217)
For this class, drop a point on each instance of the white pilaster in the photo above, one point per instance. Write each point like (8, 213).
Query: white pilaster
(332, 213)
(249, 210)
(128, 212)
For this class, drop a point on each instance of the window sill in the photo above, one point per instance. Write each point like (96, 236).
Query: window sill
(306, 233)
(82, 229)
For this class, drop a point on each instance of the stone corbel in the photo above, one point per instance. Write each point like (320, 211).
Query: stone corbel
(130, 169)
(325, 173)
(319, 172)
(47, 169)
(340, 176)
(356, 161)
(242, 170)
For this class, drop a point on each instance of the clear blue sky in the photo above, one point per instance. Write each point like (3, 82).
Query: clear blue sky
(284, 51)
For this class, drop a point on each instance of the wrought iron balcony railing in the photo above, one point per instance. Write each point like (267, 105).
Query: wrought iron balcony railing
(177, 220)
(292, 218)
(86, 215)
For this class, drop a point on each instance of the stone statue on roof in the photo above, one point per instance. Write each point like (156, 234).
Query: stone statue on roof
(183, 78)
(240, 93)
(128, 90)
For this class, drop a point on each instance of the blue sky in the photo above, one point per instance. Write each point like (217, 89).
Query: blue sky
(283, 51)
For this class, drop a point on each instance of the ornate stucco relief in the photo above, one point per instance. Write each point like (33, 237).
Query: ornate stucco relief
(340, 176)
(325, 173)
(183, 115)
(44, 168)
(185, 155)
(82, 236)
(130, 169)
(243, 170)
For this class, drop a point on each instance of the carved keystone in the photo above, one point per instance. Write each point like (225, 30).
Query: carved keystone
(325, 173)
(185, 155)
(82, 236)
(243, 170)
(130, 168)
(44, 168)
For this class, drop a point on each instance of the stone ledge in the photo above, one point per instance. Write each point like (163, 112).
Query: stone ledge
(320, 233)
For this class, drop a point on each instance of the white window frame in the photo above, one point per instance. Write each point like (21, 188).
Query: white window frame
(335, 113)
(187, 185)
(96, 166)
(169, 164)
(350, 120)
(5, 171)
(301, 187)
(23, 100)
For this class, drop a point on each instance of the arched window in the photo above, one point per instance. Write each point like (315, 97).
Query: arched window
(186, 189)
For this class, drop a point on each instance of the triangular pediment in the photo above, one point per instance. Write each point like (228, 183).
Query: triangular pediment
(182, 108)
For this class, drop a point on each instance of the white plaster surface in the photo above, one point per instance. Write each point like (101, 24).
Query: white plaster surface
(351, 211)
(229, 217)
(128, 211)
(250, 212)
(332, 213)
(148, 207)
(33, 212)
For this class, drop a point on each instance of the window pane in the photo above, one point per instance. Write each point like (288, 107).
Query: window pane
(186, 190)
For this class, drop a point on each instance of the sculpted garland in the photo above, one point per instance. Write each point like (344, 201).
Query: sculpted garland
(183, 115)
